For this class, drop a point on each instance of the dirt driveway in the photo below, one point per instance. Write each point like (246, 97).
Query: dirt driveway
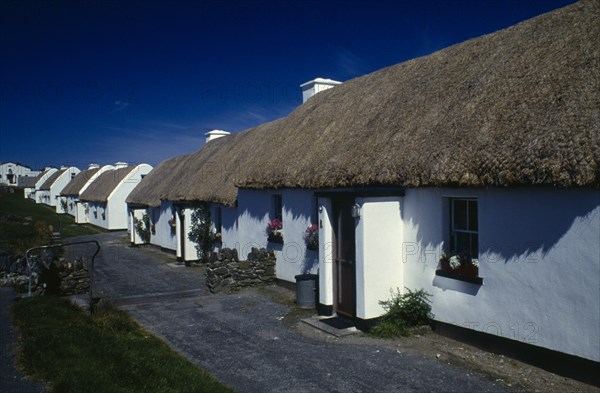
(254, 341)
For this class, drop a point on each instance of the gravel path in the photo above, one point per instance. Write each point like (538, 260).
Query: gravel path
(242, 340)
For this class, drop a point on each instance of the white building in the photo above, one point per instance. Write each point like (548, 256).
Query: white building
(69, 196)
(450, 153)
(11, 173)
(145, 199)
(457, 152)
(104, 200)
(49, 192)
(32, 188)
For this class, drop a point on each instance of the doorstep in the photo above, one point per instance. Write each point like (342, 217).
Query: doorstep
(336, 326)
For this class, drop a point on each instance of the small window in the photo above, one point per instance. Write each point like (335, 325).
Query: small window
(73, 175)
(464, 228)
(277, 208)
(218, 220)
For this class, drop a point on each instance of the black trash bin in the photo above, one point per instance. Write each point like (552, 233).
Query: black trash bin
(306, 290)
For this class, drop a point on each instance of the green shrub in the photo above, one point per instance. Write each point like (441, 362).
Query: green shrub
(403, 311)
(201, 232)
(142, 227)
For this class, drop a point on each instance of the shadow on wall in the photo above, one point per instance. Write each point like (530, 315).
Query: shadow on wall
(515, 225)
(251, 225)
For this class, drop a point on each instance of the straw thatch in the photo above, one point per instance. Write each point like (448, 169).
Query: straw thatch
(78, 182)
(28, 181)
(209, 173)
(50, 180)
(155, 183)
(103, 186)
(517, 107)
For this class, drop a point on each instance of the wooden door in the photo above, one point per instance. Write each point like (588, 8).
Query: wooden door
(345, 257)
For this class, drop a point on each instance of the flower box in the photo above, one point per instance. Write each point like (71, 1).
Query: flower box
(274, 238)
(275, 231)
(459, 266)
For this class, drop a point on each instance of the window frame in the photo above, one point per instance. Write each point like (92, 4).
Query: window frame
(277, 207)
(455, 231)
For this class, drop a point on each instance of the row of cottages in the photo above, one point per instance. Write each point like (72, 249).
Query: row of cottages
(31, 186)
(69, 196)
(472, 173)
(49, 192)
(103, 201)
(16, 175)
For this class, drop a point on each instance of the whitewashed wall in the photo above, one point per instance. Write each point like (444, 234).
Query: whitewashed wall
(95, 217)
(36, 194)
(71, 205)
(117, 216)
(164, 236)
(378, 254)
(539, 259)
(135, 214)
(249, 229)
(59, 184)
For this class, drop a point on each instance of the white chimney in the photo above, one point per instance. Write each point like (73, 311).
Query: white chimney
(215, 134)
(315, 86)
(93, 166)
(120, 164)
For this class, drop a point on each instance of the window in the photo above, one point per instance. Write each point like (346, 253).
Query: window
(277, 208)
(218, 220)
(73, 174)
(464, 228)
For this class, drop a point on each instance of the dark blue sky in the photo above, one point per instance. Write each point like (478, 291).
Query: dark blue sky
(141, 81)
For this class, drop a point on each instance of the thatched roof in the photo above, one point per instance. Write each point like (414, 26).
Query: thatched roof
(156, 183)
(209, 173)
(101, 188)
(51, 179)
(517, 107)
(28, 181)
(78, 182)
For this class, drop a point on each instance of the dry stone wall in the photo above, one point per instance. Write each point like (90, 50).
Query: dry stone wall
(225, 272)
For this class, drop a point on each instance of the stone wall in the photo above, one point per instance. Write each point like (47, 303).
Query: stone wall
(62, 277)
(225, 272)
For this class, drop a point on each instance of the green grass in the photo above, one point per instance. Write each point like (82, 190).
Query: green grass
(19, 234)
(109, 352)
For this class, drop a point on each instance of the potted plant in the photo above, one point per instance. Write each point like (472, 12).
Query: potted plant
(311, 237)
(275, 231)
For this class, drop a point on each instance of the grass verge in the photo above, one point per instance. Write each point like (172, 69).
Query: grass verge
(109, 352)
(20, 220)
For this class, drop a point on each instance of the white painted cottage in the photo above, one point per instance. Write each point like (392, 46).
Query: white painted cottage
(69, 196)
(145, 199)
(49, 191)
(104, 200)
(12, 174)
(488, 149)
(30, 189)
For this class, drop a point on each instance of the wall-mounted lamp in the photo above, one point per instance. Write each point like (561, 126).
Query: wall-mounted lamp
(355, 212)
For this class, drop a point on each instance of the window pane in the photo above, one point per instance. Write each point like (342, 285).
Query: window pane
(473, 216)
(460, 214)
(474, 245)
(463, 242)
